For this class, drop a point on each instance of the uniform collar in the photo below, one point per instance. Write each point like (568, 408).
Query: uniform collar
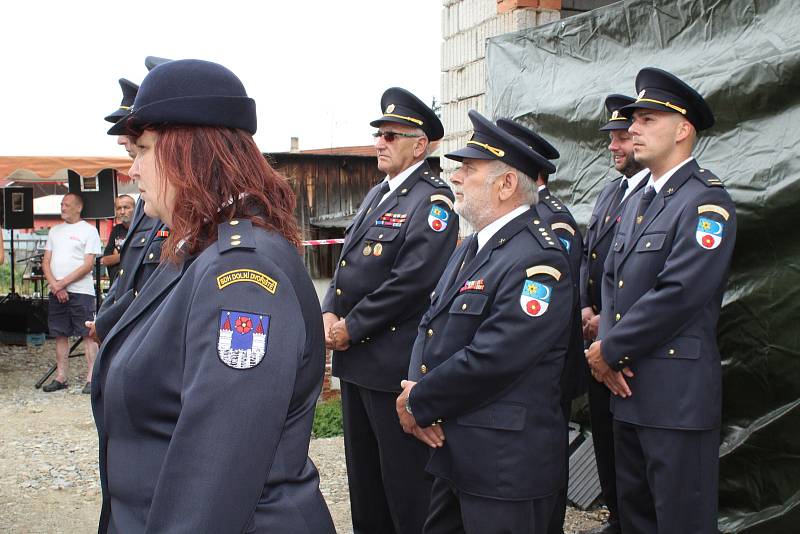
(634, 180)
(493, 227)
(667, 175)
(398, 180)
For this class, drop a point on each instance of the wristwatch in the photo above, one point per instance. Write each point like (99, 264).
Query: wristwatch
(408, 406)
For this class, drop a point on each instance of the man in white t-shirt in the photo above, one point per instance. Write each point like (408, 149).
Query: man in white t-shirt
(68, 262)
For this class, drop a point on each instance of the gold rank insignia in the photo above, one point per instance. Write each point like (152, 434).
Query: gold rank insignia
(367, 250)
(378, 249)
(389, 108)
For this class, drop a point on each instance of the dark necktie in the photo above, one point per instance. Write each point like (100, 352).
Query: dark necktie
(644, 203)
(617, 200)
(472, 250)
(377, 200)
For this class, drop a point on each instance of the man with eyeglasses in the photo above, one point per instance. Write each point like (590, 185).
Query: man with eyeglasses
(394, 253)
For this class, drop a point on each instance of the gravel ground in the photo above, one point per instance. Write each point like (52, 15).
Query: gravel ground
(48, 454)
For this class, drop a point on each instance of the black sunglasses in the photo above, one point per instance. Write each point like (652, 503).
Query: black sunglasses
(389, 136)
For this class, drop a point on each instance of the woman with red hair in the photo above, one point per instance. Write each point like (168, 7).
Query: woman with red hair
(204, 391)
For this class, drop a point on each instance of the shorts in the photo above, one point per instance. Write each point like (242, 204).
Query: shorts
(68, 319)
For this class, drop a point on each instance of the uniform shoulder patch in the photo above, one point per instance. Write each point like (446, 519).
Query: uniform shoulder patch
(535, 298)
(553, 204)
(438, 218)
(709, 232)
(247, 275)
(242, 339)
(235, 234)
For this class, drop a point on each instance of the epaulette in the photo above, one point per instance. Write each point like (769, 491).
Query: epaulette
(237, 233)
(434, 180)
(708, 178)
(542, 234)
(552, 203)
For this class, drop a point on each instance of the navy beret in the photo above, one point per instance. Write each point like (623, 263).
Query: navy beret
(489, 141)
(129, 90)
(402, 107)
(660, 90)
(618, 119)
(530, 138)
(190, 92)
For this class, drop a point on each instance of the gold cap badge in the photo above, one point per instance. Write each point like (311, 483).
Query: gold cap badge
(389, 108)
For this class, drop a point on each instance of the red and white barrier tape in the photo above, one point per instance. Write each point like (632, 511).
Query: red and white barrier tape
(319, 242)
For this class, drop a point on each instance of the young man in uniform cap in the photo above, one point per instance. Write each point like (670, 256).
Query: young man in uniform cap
(556, 215)
(141, 251)
(599, 233)
(662, 291)
(489, 353)
(394, 253)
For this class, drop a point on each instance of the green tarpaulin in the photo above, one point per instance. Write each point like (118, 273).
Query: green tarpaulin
(744, 57)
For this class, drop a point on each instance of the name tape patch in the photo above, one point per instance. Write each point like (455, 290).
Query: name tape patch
(247, 275)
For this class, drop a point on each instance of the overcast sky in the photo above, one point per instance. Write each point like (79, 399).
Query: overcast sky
(316, 68)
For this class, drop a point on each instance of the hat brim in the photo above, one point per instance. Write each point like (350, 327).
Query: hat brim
(615, 125)
(120, 126)
(468, 152)
(377, 122)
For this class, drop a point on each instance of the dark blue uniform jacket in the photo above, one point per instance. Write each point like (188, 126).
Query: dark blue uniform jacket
(391, 260)
(662, 291)
(488, 357)
(558, 217)
(204, 395)
(139, 257)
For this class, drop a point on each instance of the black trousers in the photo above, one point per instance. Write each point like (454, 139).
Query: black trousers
(556, 525)
(455, 512)
(667, 479)
(603, 440)
(389, 488)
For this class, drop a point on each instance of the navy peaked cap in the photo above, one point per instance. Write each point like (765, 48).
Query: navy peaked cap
(491, 142)
(618, 118)
(402, 107)
(660, 90)
(190, 92)
(530, 138)
(129, 90)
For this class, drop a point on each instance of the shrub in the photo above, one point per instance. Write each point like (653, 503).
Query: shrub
(328, 419)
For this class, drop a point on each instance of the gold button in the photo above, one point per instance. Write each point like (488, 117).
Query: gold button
(121, 272)
(150, 256)
(594, 255)
(338, 291)
(393, 328)
(343, 263)
(647, 245)
(142, 241)
(536, 221)
(544, 233)
(380, 236)
(617, 317)
(235, 243)
(430, 332)
(433, 294)
(404, 191)
(463, 306)
(423, 368)
(591, 282)
(621, 283)
(671, 352)
(234, 223)
(626, 359)
(236, 236)
(135, 293)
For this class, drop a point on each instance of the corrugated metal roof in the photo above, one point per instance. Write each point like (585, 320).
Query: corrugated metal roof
(584, 482)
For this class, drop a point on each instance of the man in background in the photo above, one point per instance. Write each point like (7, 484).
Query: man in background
(123, 207)
(68, 261)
